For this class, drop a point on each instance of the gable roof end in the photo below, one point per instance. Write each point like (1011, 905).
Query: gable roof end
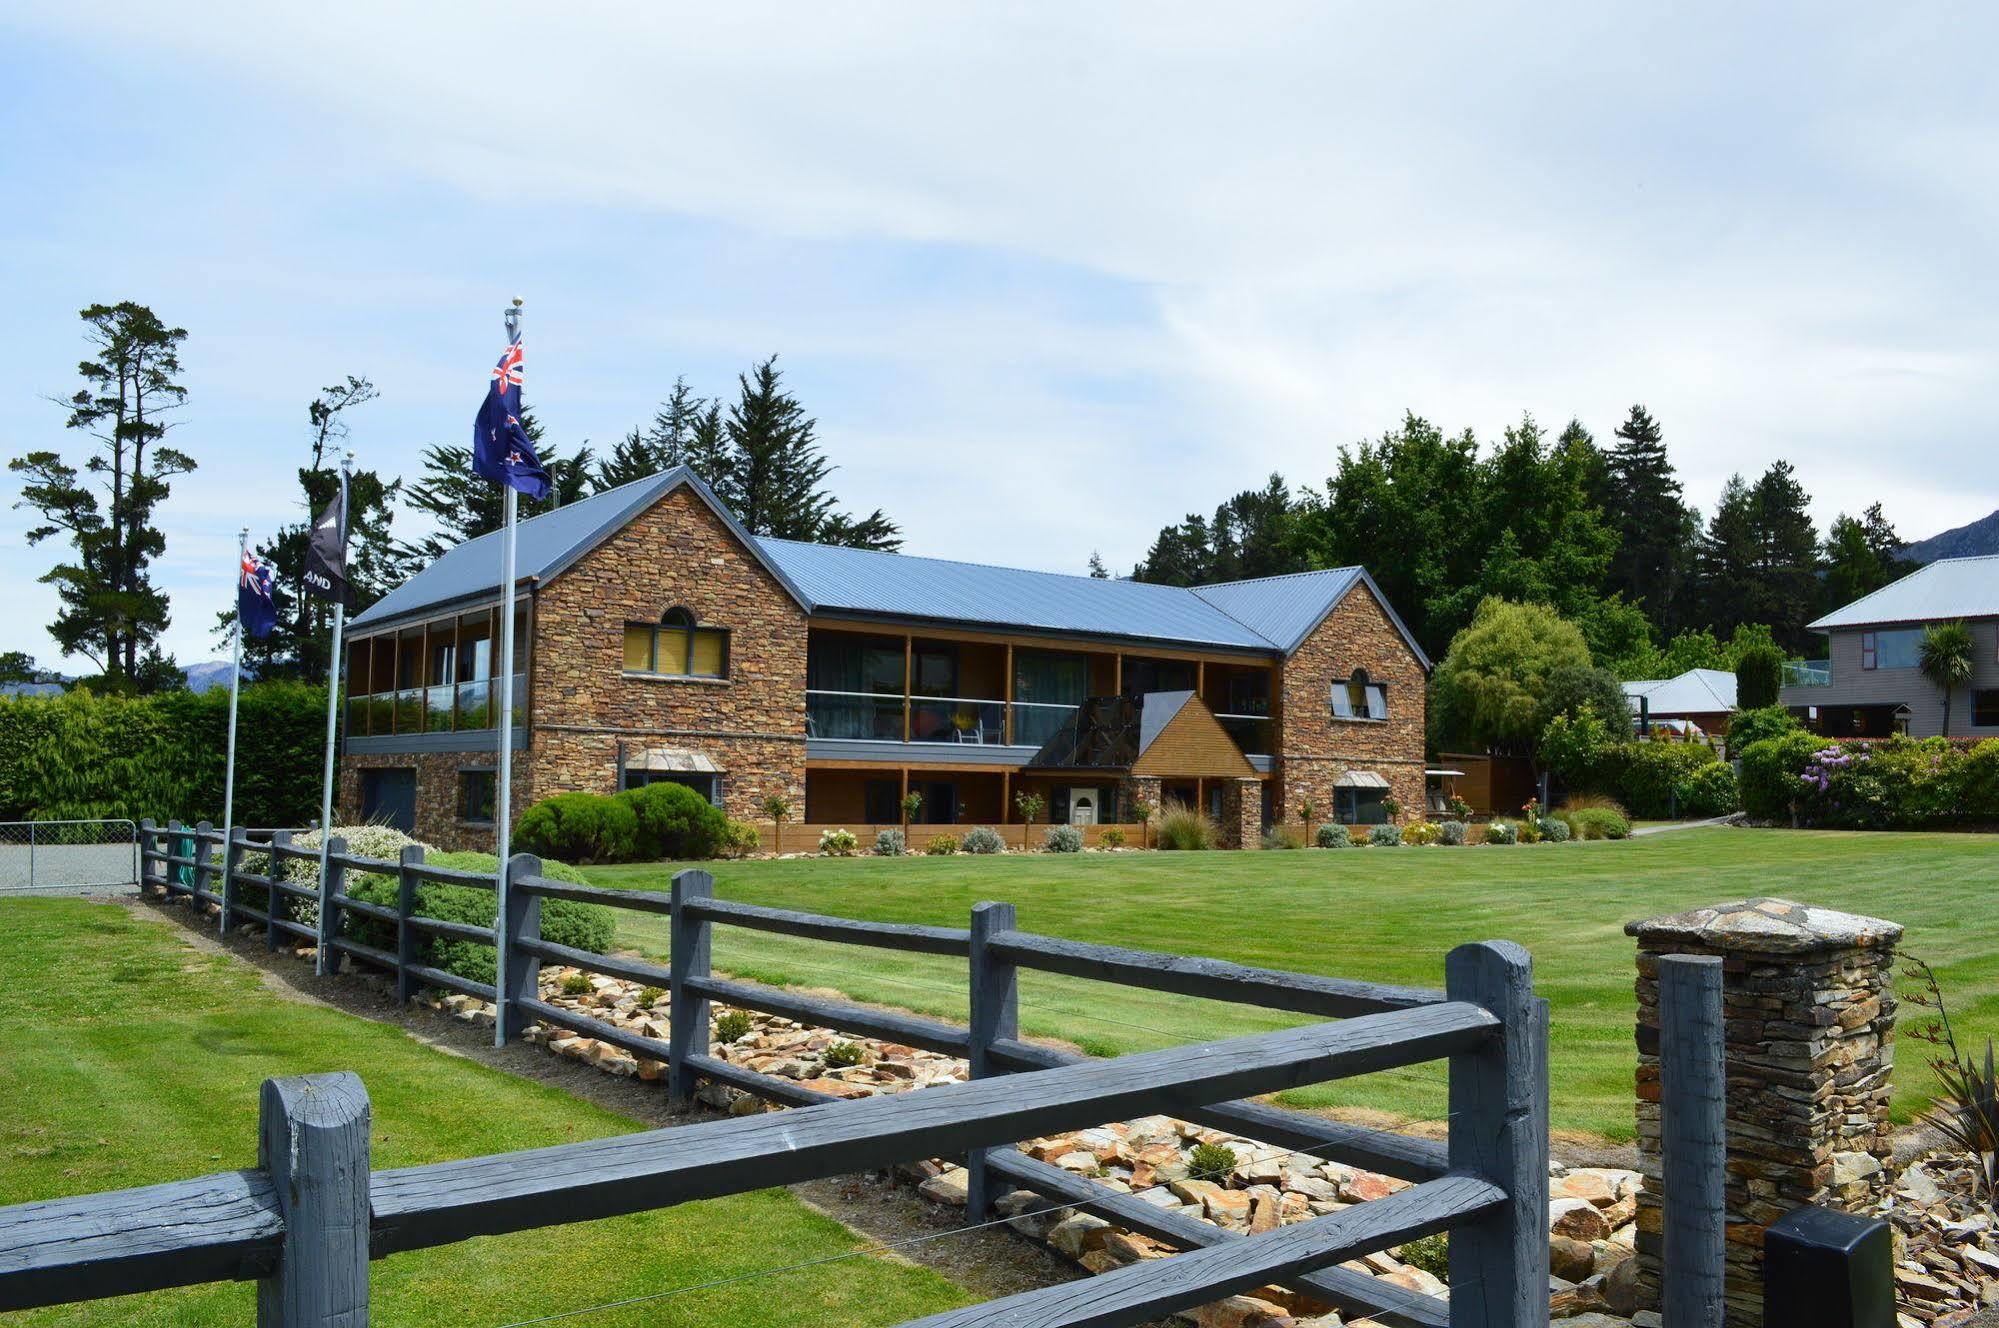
(1945, 590)
(1286, 610)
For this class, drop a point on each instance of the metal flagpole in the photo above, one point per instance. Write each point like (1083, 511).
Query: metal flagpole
(503, 792)
(235, 688)
(332, 728)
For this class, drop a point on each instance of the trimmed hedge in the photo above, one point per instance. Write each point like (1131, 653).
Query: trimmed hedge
(1771, 768)
(1649, 773)
(83, 756)
(1709, 791)
(563, 921)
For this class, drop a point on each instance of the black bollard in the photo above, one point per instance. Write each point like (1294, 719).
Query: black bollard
(1826, 1269)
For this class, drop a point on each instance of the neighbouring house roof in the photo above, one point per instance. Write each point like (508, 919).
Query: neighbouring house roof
(1268, 614)
(1695, 692)
(1948, 588)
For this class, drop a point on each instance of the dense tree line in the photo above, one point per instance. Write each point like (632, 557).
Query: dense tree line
(1603, 534)
(760, 452)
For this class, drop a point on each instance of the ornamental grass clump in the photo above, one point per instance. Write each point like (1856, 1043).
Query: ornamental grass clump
(1966, 1112)
(1185, 829)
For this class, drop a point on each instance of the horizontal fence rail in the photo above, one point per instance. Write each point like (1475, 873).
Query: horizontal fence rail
(1486, 1181)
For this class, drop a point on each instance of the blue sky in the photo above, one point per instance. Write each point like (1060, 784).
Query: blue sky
(1048, 276)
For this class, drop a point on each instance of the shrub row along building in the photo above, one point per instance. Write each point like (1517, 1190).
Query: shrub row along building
(660, 640)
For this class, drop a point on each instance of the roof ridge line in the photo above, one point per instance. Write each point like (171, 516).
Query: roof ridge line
(968, 562)
(1278, 576)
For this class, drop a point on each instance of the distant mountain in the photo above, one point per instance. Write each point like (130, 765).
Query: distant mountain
(30, 689)
(1980, 537)
(213, 673)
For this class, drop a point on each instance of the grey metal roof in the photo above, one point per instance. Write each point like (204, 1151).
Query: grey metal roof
(900, 585)
(1274, 613)
(1695, 692)
(1946, 589)
(544, 545)
(1286, 609)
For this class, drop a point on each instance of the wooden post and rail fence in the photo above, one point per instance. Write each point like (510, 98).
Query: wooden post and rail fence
(306, 1221)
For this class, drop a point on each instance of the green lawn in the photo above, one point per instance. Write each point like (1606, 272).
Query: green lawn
(127, 1057)
(1382, 914)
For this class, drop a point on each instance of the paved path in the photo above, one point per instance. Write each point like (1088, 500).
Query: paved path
(1671, 826)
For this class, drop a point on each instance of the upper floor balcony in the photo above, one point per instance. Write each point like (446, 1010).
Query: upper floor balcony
(434, 678)
(1808, 673)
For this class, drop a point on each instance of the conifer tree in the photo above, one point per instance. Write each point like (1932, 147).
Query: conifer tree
(464, 505)
(773, 474)
(111, 611)
(1643, 508)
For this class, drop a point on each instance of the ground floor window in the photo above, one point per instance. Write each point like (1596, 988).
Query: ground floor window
(708, 786)
(1985, 708)
(1360, 806)
(388, 797)
(477, 791)
(883, 801)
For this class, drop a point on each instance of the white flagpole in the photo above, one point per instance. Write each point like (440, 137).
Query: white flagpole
(235, 689)
(503, 792)
(332, 728)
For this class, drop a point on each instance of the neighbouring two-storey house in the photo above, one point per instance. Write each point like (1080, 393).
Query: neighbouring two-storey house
(1870, 685)
(660, 640)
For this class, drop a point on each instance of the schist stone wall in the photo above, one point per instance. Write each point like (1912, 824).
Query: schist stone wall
(1809, 1023)
(1316, 748)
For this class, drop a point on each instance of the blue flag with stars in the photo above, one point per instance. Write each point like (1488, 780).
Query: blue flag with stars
(501, 450)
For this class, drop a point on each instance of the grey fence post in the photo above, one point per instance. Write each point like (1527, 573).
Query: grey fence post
(277, 902)
(691, 940)
(1499, 1133)
(1693, 1128)
(167, 868)
(995, 1016)
(148, 840)
(523, 970)
(312, 1139)
(336, 887)
(406, 935)
(232, 862)
(204, 865)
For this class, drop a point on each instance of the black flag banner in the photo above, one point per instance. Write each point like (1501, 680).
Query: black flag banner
(326, 554)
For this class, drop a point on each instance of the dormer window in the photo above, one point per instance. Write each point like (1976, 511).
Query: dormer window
(1359, 698)
(677, 647)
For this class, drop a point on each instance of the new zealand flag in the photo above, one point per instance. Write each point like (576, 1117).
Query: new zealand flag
(254, 608)
(500, 447)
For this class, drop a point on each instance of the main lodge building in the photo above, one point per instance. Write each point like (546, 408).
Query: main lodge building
(657, 639)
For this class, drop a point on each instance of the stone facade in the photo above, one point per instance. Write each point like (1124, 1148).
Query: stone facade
(1809, 1019)
(751, 724)
(1242, 813)
(437, 819)
(1315, 748)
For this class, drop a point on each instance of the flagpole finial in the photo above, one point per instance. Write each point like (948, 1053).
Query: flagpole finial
(518, 302)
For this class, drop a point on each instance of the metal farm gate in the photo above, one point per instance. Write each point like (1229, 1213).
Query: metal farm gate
(53, 857)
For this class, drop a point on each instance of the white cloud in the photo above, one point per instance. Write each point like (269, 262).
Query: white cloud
(1770, 227)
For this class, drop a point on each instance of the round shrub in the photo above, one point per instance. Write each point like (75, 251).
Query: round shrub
(1771, 774)
(1452, 833)
(1334, 836)
(1112, 837)
(1385, 835)
(733, 1026)
(1501, 832)
(1598, 823)
(1709, 791)
(382, 842)
(579, 827)
(1064, 839)
(563, 922)
(838, 843)
(985, 839)
(1555, 830)
(1979, 785)
(889, 844)
(1420, 832)
(941, 845)
(673, 822)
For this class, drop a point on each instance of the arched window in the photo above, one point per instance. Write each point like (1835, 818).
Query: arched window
(677, 647)
(1357, 697)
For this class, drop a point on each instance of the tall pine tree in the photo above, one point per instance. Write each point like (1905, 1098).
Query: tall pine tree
(464, 505)
(111, 611)
(1787, 547)
(773, 474)
(1643, 506)
(666, 442)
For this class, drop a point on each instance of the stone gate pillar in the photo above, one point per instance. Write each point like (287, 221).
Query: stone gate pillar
(1808, 1020)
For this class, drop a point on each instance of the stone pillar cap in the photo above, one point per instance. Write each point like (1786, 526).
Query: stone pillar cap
(1766, 926)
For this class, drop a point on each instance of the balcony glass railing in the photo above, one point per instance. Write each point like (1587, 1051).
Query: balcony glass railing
(465, 706)
(1252, 733)
(1035, 722)
(1808, 673)
(957, 719)
(854, 715)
